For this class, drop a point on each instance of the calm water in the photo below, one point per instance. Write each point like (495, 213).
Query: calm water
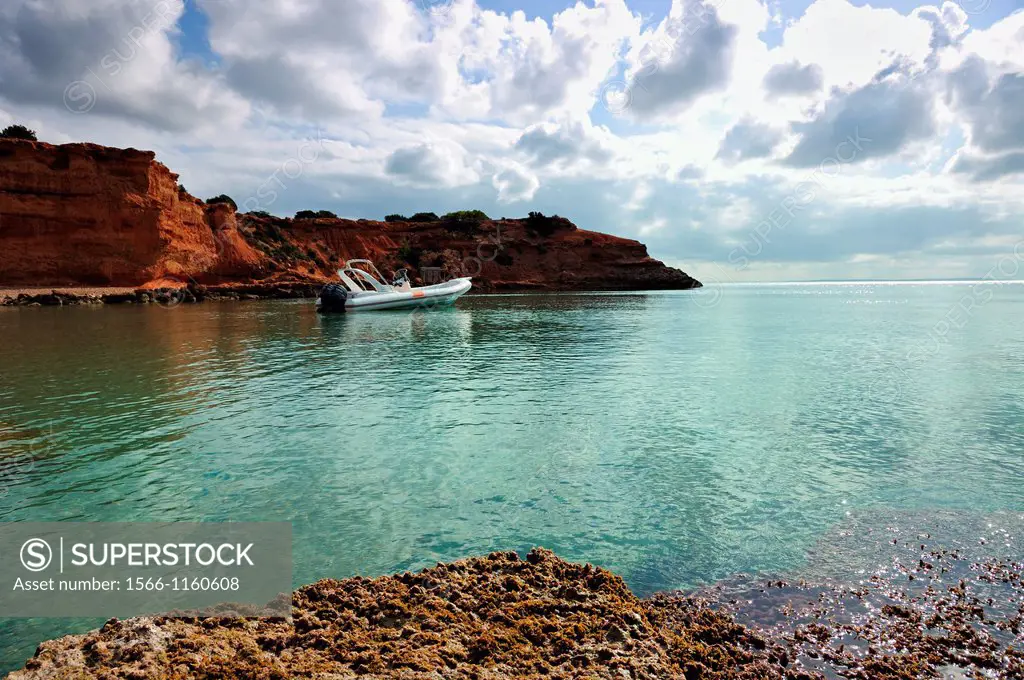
(677, 438)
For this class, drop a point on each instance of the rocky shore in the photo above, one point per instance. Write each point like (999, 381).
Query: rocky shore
(502, 616)
(165, 295)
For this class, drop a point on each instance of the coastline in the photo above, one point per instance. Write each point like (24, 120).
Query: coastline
(120, 218)
(63, 296)
(504, 616)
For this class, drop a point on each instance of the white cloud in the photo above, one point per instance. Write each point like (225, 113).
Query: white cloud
(876, 120)
(689, 55)
(749, 139)
(518, 70)
(443, 164)
(565, 143)
(109, 58)
(514, 184)
(1001, 43)
(793, 79)
(851, 44)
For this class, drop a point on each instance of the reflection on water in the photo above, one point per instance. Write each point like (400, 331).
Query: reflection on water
(673, 442)
(934, 590)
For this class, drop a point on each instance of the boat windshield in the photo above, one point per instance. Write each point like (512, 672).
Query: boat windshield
(362, 275)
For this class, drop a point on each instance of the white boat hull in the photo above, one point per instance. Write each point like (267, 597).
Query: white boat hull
(427, 296)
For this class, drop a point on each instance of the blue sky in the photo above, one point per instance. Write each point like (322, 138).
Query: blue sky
(739, 139)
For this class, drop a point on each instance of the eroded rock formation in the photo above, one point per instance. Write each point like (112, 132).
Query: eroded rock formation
(494, 617)
(501, 616)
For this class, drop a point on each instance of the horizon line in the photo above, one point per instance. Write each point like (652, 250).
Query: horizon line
(861, 281)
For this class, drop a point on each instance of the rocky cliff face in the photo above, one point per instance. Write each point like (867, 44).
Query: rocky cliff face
(91, 215)
(87, 215)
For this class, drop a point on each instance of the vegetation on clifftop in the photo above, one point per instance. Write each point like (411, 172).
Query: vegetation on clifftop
(18, 132)
(541, 224)
(315, 215)
(222, 198)
(466, 216)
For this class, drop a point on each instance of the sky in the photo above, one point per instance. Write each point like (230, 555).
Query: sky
(741, 140)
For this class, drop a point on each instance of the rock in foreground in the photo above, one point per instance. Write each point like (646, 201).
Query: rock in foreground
(940, 615)
(493, 617)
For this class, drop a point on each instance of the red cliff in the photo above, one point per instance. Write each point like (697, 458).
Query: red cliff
(87, 215)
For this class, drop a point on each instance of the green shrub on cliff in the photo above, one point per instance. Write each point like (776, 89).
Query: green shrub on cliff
(539, 223)
(18, 132)
(462, 216)
(464, 221)
(424, 217)
(222, 199)
(409, 254)
(315, 215)
(396, 218)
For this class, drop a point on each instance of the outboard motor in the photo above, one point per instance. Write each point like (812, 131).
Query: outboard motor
(332, 299)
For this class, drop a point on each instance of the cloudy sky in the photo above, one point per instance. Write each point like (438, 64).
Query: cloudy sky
(739, 139)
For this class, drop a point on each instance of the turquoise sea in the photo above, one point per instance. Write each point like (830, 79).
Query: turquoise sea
(677, 438)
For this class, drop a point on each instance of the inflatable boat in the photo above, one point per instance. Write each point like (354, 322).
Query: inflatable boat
(362, 288)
